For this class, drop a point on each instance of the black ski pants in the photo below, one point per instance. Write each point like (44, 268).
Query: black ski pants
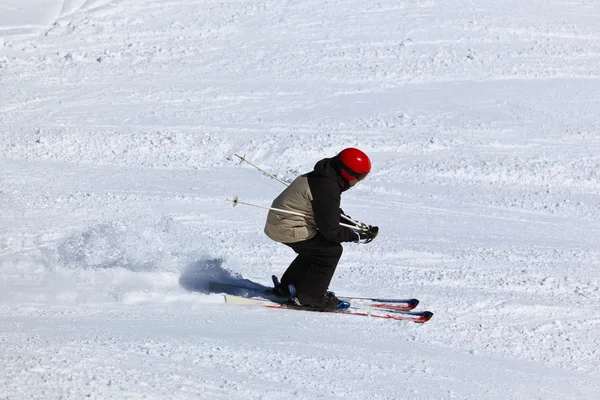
(314, 266)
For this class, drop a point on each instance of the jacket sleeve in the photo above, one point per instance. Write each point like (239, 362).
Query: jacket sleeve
(326, 210)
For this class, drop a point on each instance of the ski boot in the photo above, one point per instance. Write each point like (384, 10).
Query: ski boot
(327, 302)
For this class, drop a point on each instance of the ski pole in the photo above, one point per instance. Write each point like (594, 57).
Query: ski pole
(244, 159)
(237, 201)
(262, 170)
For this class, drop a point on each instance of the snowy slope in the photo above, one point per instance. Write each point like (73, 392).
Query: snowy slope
(118, 123)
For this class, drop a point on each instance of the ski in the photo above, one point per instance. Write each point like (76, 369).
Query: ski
(384, 304)
(372, 302)
(418, 317)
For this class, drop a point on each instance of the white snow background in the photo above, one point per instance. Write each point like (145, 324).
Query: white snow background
(118, 125)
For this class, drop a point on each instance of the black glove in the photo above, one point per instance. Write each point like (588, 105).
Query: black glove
(368, 235)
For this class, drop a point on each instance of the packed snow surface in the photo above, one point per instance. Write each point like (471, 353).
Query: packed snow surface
(119, 121)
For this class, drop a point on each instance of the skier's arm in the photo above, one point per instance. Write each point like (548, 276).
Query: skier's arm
(326, 210)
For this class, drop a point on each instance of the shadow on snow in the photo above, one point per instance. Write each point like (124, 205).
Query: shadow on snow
(198, 275)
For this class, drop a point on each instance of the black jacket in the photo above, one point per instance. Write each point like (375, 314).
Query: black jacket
(326, 186)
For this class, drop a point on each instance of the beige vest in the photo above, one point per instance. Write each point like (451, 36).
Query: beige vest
(289, 228)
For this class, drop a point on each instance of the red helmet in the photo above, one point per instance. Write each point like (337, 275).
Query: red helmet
(355, 164)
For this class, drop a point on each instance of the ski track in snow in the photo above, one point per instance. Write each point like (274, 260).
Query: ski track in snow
(119, 121)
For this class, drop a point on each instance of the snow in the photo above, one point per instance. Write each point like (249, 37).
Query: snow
(119, 122)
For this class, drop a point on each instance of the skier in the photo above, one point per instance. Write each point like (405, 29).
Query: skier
(316, 237)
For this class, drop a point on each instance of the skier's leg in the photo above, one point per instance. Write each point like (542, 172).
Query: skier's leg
(312, 270)
(293, 273)
(320, 270)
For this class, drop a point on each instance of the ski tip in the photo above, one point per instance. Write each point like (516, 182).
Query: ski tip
(404, 305)
(413, 303)
(425, 316)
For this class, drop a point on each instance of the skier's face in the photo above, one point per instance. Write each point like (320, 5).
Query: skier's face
(353, 179)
